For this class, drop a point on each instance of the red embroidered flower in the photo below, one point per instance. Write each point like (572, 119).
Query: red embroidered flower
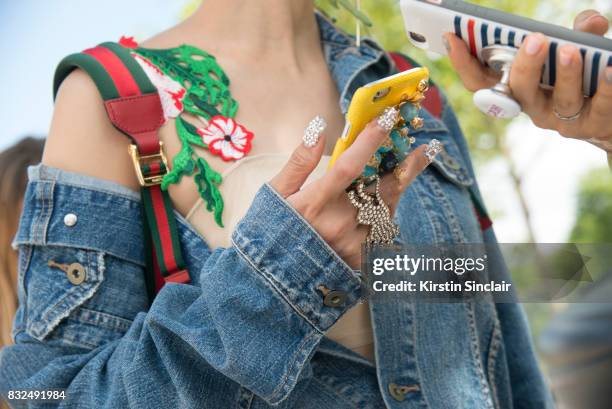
(226, 138)
(128, 42)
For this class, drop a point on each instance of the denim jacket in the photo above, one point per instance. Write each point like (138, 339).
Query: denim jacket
(249, 331)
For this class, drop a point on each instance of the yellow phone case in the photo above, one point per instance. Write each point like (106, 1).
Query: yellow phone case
(370, 101)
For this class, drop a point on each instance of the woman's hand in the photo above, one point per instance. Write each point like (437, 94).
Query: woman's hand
(324, 202)
(566, 98)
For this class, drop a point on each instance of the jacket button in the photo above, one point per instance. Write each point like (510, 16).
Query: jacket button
(76, 273)
(399, 392)
(449, 161)
(335, 299)
(70, 219)
(332, 298)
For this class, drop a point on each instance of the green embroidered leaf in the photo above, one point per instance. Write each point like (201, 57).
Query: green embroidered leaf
(207, 181)
(199, 73)
(189, 133)
(186, 162)
(183, 163)
(197, 101)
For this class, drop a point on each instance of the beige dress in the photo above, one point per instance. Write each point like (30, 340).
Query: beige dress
(241, 181)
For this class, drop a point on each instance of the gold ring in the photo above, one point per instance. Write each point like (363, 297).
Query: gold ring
(569, 117)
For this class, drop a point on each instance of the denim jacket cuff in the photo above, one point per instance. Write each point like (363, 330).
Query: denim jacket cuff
(296, 261)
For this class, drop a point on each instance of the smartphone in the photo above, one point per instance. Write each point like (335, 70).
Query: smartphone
(427, 20)
(370, 100)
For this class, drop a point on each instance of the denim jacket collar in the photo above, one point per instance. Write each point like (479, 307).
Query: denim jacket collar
(347, 61)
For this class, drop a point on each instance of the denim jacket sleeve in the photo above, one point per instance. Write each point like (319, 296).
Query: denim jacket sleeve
(252, 321)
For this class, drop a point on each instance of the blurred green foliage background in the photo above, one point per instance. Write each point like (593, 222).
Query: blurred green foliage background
(594, 215)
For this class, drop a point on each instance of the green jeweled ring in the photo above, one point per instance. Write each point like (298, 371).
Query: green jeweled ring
(397, 146)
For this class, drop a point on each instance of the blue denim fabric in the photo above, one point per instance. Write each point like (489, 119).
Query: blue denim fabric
(249, 331)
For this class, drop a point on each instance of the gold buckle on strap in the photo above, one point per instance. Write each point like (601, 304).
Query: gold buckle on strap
(140, 161)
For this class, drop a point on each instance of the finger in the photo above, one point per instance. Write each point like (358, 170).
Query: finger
(416, 162)
(351, 163)
(393, 185)
(598, 113)
(473, 74)
(590, 21)
(567, 94)
(303, 160)
(525, 78)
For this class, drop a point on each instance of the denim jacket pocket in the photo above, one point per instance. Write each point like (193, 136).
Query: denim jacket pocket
(57, 282)
(449, 162)
(80, 285)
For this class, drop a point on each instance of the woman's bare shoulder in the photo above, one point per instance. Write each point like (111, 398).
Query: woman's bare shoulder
(81, 137)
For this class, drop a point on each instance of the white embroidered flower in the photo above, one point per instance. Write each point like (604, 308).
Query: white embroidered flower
(226, 138)
(170, 91)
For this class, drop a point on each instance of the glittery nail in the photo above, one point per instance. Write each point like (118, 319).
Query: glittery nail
(388, 118)
(433, 148)
(313, 131)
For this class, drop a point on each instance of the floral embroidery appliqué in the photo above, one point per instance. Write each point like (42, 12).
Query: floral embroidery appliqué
(226, 138)
(190, 80)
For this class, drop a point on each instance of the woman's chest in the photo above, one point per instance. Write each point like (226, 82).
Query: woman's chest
(275, 109)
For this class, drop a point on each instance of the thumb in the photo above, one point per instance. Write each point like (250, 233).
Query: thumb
(303, 160)
(591, 21)
(473, 74)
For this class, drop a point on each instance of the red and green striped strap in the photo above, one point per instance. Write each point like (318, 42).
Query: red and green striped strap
(133, 106)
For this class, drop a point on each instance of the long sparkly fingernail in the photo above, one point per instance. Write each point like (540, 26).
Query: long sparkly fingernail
(313, 131)
(433, 148)
(388, 118)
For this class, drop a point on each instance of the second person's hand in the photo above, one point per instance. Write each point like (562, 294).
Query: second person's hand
(592, 122)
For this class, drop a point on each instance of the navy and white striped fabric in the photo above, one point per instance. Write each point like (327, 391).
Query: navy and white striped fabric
(479, 34)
